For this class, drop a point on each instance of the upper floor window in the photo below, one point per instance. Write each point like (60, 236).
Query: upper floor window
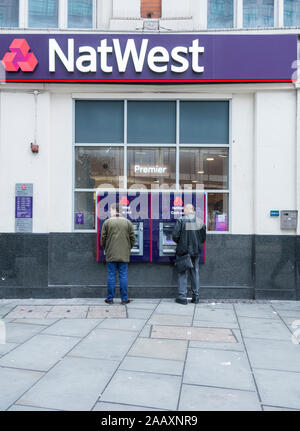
(80, 13)
(220, 13)
(9, 13)
(258, 13)
(291, 13)
(150, 8)
(43, 13)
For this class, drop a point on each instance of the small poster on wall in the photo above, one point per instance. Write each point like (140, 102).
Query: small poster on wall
(221, 222)
(23, 207)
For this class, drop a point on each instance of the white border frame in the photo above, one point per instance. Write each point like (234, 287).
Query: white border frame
(176, 145)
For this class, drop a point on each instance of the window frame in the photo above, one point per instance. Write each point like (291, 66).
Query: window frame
(176, 145)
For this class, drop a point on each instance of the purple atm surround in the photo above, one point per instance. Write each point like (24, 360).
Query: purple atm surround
(154, 215)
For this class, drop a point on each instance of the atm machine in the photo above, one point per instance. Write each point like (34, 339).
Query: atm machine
(153, 216)
(135, 207)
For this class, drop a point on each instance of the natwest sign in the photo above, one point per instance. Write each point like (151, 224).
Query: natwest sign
(163, 58)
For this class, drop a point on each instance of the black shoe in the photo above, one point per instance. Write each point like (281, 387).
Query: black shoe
(109, 301)
(195, 300)
(125, 302)
(181, 301)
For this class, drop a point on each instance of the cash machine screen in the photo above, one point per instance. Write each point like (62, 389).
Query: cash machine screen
(167, 246)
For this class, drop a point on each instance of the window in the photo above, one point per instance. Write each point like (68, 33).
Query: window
(291, 13)
(43, 13)
(80, 13)
(258, 13)
(150, 8)
(9, 13)
(154, 145)
(151, 166)
(219, 13)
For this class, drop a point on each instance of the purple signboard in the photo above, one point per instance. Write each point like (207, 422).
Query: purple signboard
(221, 222)
(79, 218)
(23, 207)
(159, 58)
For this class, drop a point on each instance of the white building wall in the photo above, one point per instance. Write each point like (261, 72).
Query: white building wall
(242, 163)
(17, 163)
(275, 158)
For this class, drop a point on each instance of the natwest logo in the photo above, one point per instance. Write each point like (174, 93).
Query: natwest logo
(124, 201)
(178, 202)
(19, 57)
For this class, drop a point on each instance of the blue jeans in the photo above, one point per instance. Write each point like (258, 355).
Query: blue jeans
(112, 268)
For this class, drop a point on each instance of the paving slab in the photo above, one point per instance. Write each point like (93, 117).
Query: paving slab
(114, 407)
(277, 409)
(210, 305)
(142, 305)
(143, 389)
(73, 327)
(146, 331)
(36, 321)
(256, 310)
(218, 368)
(150, 365)
(102, 311)
(105, 344)
(19, 333)
(170, 319)
(19, 408)
(69, 312)
(273, 354)
(123, 324)
(139, 313)
(7, 347)
(285, 305)
(29, 311)
(236, 346)
(160, 349)
(72, 393)
(216, 324)
(264, 328)
(40, 353)
(215, 315)
(289, 313)
(174, 308)
(14, 383)
(190, 333)
(199, 398)
(279, 388)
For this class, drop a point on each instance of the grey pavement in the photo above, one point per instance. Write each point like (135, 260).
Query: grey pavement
(152, 354)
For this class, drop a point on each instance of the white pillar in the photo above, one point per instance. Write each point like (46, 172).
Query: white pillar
(63, 14)
(104, 14)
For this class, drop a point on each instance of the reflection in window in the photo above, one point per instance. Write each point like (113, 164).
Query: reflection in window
(258, 13)
(99, 121)
(204, 168)
(80, 13)
(220, 14)
(217, 212)
(151, 167)
(151, 122)
(84, 210)
(204, 122)
(43, 13)
(291, 13)
(9, 13)
(98, 166)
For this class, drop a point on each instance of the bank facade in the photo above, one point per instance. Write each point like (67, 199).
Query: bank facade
(116, 99)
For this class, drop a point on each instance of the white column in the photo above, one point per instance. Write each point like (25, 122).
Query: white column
(238, 9)
(200, 14)
(63, 14)
(23, 13)
(104, 14)
(279, 13)
(298, 160)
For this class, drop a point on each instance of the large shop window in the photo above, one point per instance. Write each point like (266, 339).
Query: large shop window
(291, 13)
(219, 14)
(43, 13)
(153, 145)
(80, 13)
(258, 13)
(9, 13)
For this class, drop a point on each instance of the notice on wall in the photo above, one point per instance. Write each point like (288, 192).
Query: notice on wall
(221, 222)
(23, 207)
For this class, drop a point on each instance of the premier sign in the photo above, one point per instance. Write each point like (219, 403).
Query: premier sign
(148, 58)
(157, 58)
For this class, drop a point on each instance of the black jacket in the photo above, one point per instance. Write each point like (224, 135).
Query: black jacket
(189, 234)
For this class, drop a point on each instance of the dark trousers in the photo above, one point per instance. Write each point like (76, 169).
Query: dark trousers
(194, 277)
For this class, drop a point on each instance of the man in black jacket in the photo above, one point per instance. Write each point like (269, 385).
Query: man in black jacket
(189, 234)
